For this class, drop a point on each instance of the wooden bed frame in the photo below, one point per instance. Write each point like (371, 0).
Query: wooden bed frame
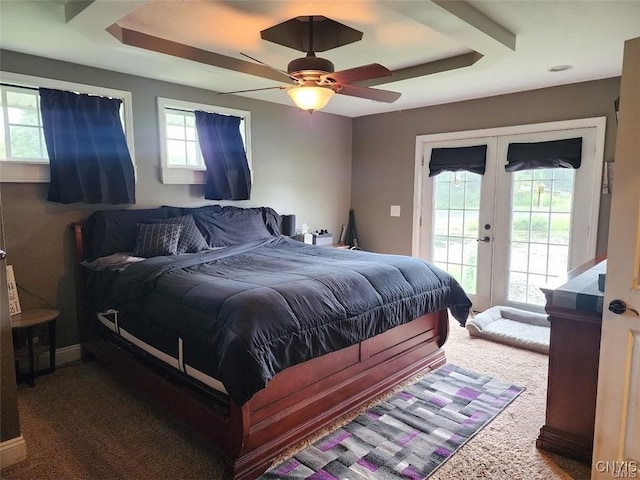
(296, 403)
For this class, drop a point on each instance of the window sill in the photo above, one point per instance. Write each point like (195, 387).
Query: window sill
(24, 172)
(182, 176)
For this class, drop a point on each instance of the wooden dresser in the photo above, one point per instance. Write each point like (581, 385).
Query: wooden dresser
(575, 313)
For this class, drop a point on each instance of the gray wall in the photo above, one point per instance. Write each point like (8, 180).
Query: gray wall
(300, 166)
(384, 150)
(316, 169)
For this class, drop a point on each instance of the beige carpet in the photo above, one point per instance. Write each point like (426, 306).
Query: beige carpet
(79, 423)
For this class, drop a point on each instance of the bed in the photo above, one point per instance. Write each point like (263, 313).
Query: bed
(253, 338)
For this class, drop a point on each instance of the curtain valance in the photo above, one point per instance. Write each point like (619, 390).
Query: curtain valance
(565, 153)
(472, 159)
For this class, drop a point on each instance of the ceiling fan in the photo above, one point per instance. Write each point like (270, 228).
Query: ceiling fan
(312, 79)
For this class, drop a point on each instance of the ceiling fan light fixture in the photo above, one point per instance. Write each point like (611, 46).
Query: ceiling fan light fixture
(309, 97)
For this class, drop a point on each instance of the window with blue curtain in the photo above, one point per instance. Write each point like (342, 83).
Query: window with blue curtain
(88, 154)
(227, 169)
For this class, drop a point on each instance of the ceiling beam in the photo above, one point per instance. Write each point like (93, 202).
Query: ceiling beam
(91, 18)
(460, 21)
(160, 45)
(446, 64)
(74, 7)
(98, 14)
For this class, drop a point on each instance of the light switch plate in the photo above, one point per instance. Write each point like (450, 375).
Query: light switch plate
(395, 211)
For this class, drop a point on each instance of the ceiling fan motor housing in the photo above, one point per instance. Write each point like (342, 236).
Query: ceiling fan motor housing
(314, 64)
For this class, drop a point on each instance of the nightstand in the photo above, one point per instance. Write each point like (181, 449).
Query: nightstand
(29, 320)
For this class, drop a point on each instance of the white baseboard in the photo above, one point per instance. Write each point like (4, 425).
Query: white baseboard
(64, 355)
(12, 451)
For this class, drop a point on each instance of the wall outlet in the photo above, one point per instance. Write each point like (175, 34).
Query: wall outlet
(395, 211)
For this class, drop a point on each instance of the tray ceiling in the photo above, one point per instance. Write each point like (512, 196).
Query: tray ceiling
(439, 51)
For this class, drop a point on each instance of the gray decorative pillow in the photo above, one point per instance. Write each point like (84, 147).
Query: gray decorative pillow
(191, 240)
(232, 225)
(154, 239)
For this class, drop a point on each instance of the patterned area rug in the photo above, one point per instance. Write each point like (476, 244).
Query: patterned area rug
(407, 436)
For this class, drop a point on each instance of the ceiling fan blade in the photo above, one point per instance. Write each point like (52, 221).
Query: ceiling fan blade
(376, 94)
(251, 90)
(267, 65)
(356, 74)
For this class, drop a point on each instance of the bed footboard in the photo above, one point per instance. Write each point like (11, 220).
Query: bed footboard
(305, 398)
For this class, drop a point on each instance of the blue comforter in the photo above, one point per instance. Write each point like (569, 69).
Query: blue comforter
(264, 306)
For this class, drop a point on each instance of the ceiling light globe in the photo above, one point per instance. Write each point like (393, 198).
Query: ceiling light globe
(310, 98)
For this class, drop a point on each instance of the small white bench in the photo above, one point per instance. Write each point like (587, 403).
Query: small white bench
(512, 326)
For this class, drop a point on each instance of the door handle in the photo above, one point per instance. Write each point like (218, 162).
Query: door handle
(485, 239)
(3, 254)
(619, 307)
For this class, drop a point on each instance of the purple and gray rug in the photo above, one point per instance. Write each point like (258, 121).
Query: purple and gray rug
(407, 436)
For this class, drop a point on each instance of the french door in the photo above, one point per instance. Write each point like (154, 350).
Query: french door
(458, 225)
(504, 235)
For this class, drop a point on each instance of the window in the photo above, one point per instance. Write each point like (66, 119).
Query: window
(23, 152)
(182, 139)
(22, 138)
(182, 161)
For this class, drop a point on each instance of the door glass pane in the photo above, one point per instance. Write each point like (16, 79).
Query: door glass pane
(517, 287)
(471, 223)
(455, 251)
(520, 226)
(455, 226)
(541, 206)
(540, 227)
(441, 225)
(519, 256)
(440, 248)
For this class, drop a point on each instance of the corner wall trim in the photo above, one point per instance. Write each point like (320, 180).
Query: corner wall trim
(12, 451)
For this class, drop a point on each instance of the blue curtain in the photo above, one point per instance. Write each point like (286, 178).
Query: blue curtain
(228, 176)
(88, 155)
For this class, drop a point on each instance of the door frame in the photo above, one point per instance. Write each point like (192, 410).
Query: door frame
(599, 123)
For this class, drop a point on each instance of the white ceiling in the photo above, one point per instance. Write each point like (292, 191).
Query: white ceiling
(518, 41)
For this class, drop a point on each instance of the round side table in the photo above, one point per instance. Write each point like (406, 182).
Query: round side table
(29, 320)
